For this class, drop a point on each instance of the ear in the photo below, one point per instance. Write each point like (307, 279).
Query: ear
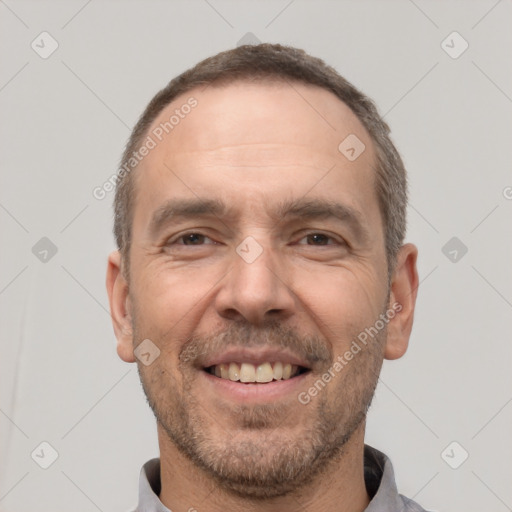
(120, 308)
(404, 288)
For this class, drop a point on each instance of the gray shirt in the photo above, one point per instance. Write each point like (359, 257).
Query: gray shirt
(378, 475)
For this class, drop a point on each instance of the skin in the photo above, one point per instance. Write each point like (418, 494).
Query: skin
(253, 145)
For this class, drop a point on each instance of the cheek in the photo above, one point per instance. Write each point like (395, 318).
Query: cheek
(169, 299)
(341, 302)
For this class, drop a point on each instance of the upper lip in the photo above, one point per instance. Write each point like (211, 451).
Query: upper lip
(254, 356)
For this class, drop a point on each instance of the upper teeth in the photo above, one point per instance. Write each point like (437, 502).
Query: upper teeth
(247, 372)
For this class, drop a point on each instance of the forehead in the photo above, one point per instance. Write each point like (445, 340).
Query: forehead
(250, 139)
(261, 112)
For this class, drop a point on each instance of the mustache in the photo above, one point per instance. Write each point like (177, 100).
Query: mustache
(314, 349)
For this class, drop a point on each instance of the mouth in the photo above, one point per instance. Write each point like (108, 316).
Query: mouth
(253, 375)
(264, 373)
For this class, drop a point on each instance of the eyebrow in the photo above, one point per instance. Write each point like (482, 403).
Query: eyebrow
(175, 210)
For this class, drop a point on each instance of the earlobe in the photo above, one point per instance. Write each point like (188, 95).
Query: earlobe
(120, 307)
(404, 289)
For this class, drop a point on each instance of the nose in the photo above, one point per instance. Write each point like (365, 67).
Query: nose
(256, 290)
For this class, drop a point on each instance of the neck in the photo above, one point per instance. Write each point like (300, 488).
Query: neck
(339, 487)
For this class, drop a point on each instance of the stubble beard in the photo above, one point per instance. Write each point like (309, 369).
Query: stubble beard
(260, 460)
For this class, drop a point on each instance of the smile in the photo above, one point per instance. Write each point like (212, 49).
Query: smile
(260, 373)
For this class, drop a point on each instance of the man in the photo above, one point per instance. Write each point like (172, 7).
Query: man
(260, 281)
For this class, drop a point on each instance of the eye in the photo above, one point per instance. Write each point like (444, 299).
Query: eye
(319, 239)
(191, 238)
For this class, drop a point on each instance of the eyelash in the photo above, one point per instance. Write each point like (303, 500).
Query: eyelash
(183, 235)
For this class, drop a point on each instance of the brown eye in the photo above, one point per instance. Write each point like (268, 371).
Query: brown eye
(192, 238)
(318, 239)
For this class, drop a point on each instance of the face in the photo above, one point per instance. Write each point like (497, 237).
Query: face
(257, 259)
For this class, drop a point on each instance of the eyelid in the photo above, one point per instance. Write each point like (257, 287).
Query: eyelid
(180, 236)
(336, 238)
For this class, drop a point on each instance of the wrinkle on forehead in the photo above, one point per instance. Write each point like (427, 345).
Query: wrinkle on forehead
(261, 155)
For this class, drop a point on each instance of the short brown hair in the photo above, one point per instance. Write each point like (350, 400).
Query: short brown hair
(275, 62)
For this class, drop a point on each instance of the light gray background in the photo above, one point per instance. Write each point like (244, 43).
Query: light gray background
(64, 123)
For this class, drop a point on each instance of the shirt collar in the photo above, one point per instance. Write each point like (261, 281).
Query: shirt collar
(381, 486)
(149, 488)
(378, 473)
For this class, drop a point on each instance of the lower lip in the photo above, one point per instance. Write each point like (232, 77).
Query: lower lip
(256, 392)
